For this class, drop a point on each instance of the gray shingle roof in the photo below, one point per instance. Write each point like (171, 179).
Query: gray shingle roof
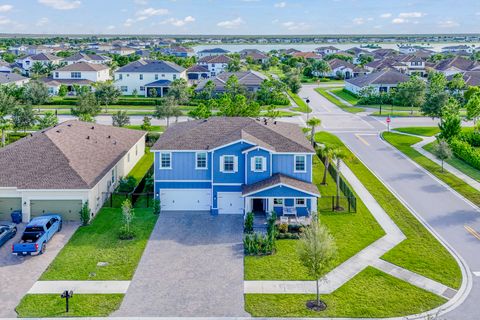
(152, 66)
(83, 66)
(457, 62)
(381, 77)
(280, 179)
(71, 155)
(218, 131)
(248, 79)
(214, 50)
(215, 59)
(89, 57)
(6, 78)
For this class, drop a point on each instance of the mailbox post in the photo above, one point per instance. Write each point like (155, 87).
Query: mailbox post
(66, 295)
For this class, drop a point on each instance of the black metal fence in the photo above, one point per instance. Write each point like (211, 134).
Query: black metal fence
(348, 199)
(138, 199)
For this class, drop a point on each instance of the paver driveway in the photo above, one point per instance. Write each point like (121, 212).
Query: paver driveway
(192, 266)
(18, 274)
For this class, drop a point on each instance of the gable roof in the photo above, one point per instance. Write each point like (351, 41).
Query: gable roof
(72, 155)
(197, 68)
(6, 78)
(83, 66)
(214, 50)
(215, 59)
(43, 57)
(218, 131)
(88, 57)
(457, 62)
(152, 66)
(471, 78)
(307, 55)
(280, 179)
(387, 76)
(339, 63)
(245, 78)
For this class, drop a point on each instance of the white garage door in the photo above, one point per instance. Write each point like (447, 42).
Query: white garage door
(230, 203)
(185, 200)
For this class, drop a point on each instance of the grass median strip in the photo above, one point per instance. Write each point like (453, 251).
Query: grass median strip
(301, 105)
(352, 232)
(371, 293)
(420, 131)
(420, 252)
(81, 305)
(323, 92)
(99, 242)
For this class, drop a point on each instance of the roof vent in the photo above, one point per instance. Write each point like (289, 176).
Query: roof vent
(58, 131)
(69, 125)
(274, 122)
(31, 134)
(108, 137)
(88, 137)
(93, 128)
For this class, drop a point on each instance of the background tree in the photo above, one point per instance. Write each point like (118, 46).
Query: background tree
(180, 91)
(456, 87)
(201, 111)
(313, 123)
(167, 109)
(107, 94)
(127, 215)
(272, 112)
(208, 90)
(62, 91)
(436, 98)
(37, 69)
(36, 93)
(238, 106)
(411, 93)
(5, 124)
(293, 82)
(152, 92)
(120, 119)
(442, 151)
(233, 87)
(87, 107)
(147, 123)
(135, 92)
(317, 251)
(234, 64)
(23, 117)
(450, 126)
(48, 120)
(320, 68)
(326, 153)
(473, 107)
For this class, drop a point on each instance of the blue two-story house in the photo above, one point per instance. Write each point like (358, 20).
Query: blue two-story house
(231, 165)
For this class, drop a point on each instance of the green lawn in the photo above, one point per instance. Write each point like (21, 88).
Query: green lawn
(337, 102)
(99, 242)
(404, 144)
(420, 252)
(345, 95)
(152, 128)
(371, 293)
(352, 233)
(111, 107)
(81, 305)
(301, 104)
(142, 166)
(420, 131)
(457, 163)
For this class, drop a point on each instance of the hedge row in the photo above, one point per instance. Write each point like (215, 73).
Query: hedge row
(463, 150)
(472, 138)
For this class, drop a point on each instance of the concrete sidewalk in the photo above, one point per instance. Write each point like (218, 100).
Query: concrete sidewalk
(80, 287)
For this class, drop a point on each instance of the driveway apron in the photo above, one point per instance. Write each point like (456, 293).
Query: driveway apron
(192, 266)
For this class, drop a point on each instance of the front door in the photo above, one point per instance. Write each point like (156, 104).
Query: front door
(258, 205)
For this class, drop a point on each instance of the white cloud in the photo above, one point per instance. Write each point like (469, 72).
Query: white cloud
(179, 22)
(111, 27)
(295, 26)
(417, 14)
(5, 20)
(282, 4)
(42, 21)
(358, 21)
(449, 23)
(399, 20)
(385, 15)
(231, 24)
(5, 7)
(150, 12)
(128, 22)
(141, 2)
(61, 4)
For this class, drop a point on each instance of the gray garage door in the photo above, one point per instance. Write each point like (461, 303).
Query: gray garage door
(68, 209)
(7, 205)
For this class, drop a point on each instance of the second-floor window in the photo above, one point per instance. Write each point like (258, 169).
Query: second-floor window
(76, 75)
(300, 163)
(165, 160)
(141, 76)
(156, 77)
(56, 75)
(201, 160)
(259, 164)
(228, 164)
(120, 76)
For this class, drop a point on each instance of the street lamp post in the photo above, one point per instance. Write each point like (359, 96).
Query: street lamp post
(308, 107)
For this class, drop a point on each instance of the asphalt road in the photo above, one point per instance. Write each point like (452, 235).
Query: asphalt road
(440, 207)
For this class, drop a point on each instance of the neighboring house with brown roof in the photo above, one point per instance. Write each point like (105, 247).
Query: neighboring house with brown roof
(471, 78)
(197, 72)
(215, 64)
(381, 81)
(344, 70)
(44, 58)
(81, 74)
(232, 165)
(57, 170)
(326, 50)
(455, 65)
(250, 80)
(90, 58)
(307, 55)
(13, 78)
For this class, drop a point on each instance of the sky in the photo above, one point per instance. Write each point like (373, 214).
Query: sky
(253, 17)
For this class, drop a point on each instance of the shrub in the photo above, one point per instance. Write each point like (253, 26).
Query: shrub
(283, 228)
(466, 152)
(472, 138)
(258, 244)
(85, 214)
(249, 222)
(156, 206)
(127, 184)
(151, 138)
(126, 231)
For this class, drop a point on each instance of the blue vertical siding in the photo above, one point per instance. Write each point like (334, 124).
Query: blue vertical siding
(252, 176)
(235, 150)
(284, 163)
(183, 167)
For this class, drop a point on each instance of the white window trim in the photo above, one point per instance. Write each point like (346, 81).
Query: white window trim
(278, 204)
(196, 161)
(222, 163)
(160, 161)
(253, 164)
(295, 163)
(301, 205)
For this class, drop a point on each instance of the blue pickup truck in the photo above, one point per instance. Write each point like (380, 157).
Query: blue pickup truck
(36, 235)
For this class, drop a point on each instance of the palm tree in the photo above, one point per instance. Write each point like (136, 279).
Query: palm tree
(313, 123)
(325, 153)
(338, 155)
(38, 68)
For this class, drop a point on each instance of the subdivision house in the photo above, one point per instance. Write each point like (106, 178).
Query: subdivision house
(90, 58)
(233, 165)
(44, 58)
(381, 81)
(212, 52)
(456, 65)
(80, 74)
(215, 64)
(143, 76)
(250, 80)
(344, 69)
(13, 78)
(58, 169)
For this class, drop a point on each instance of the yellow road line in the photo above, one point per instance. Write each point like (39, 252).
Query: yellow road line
(361, 139)
(472, 232)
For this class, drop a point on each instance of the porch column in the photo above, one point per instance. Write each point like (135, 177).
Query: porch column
(248, 204)
(270, 205)
(313, 204)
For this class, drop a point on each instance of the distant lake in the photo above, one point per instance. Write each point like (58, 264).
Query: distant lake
(310, 47)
